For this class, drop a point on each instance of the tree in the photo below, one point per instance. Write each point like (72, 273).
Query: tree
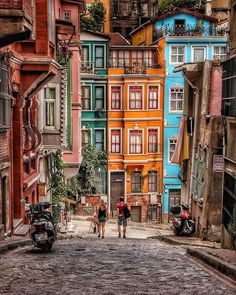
(88, 177)
(169, 5)
(95, 19)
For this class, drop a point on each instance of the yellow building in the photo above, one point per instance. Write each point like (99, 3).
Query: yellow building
(135, 129)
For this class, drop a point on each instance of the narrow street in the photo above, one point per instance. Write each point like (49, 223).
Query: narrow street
(91, 265)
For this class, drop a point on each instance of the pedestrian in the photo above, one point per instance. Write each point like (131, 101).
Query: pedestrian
(102, 218)
(121, 219)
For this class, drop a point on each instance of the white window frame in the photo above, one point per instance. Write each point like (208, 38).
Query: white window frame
(121, 141)
(121, 97)
(94, 95)
(104, 133)
(158, 100)
(91, 95)
(219, 45)
(104, 58)
(158, 138)
(204, 46)
(169, 139)
(143, 147)
(86, 129)
(175, 111)
(57, 108)
(170, 51)
(135, 85)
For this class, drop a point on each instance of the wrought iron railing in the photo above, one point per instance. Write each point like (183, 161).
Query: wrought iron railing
(133, 67)
(189, 30)
(31, 138)
(87, 67)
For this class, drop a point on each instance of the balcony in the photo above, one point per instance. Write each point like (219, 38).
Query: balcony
(87, 67)
(16, 21)
(188, 30)
(137, 67)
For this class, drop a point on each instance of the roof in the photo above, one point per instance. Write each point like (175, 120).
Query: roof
(176, 12)
(118, 39)
(100, 34)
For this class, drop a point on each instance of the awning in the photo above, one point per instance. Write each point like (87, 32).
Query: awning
(181, 152)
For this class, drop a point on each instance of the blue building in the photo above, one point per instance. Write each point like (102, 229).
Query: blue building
(182, 37)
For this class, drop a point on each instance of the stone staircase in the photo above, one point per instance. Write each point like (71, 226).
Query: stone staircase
(19, 228)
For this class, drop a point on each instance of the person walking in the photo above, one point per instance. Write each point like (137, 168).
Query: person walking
(121, 219)
(102, 218)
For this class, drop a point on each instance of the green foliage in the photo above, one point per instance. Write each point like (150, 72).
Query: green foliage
(94, 21)
(88, 177)
(169, 5)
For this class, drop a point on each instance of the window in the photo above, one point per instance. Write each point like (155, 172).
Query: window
(152, 181)
(172, 145)
(67, 15)
(99, 57)
(5, 98)
(99, 140)
(153, 97)
(176, 99)
(115, 141)
(99, 97)
(219, 53)
(85, 137)
(199, 53)
(115, 97)
(136, 182)
(85, 54)
(50, 106)
(177, 54)
(152, 140)
(135, 97)
(135, 144)
(85, 97)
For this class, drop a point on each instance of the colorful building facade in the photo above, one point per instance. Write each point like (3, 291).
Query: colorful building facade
(135, 129)
(181, 37)
(94, 95)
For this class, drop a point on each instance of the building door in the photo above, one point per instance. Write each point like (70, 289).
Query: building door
(3, 197)
(117, 190)
(136, 213)
(174, 200)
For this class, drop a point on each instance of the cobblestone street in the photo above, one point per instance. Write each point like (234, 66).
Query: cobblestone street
(106, 266)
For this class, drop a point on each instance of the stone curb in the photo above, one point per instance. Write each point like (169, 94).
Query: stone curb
(21, 243)
(180, 243)
(222, 266)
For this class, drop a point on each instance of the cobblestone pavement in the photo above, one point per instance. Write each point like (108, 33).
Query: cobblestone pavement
(106, 266)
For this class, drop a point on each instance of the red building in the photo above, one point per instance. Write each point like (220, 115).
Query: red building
(29, 42)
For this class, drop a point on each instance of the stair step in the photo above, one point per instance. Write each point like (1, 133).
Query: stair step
(21, 230)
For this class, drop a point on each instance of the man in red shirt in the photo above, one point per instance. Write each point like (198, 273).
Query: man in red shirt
(121, 217)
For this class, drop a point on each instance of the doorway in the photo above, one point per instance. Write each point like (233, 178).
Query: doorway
(3, 200)
(174, 200)
(117, 190)
(136, 213)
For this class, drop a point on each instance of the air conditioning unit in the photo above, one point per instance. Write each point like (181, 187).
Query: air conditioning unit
(153, 199)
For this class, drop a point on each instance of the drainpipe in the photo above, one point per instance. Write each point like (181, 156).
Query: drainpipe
(196, 108)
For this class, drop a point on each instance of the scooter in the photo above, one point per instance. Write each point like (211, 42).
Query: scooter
(183, 223)
(42, 229)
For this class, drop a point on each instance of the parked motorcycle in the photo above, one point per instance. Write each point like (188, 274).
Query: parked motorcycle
(183, 223)
(42, 229)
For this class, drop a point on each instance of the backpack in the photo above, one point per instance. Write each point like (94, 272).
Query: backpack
(127, 213)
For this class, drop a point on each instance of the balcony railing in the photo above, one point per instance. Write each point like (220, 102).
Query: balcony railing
(87, 67)
(189, 30)
(31, 137)
(139, 66)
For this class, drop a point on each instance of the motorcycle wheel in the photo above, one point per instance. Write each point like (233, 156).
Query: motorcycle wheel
(46, 247)
(188, 228)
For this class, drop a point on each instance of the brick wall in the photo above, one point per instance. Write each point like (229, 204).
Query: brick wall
(4, 147)
(24, 5)
(143, 201)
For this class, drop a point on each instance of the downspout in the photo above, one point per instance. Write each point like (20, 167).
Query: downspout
(196, 108)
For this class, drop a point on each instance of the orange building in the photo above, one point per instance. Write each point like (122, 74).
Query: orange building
(135, 129)
(106, 3)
